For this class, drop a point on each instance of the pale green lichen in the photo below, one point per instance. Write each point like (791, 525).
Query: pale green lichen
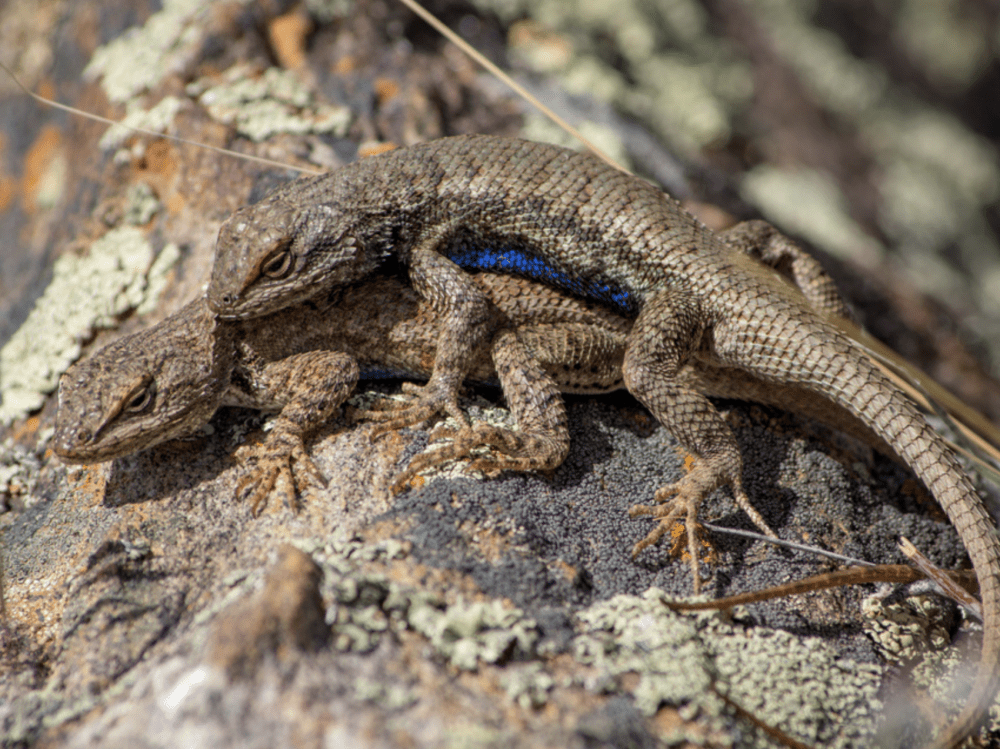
(629, 634)
(261, 105)
(326, 11)
(19, 469)
(527, 684)
(141, 204)
(158, 277)
(140, 58)
(157, 119)
(799, 685)
(388, 696)
(52, 182)
(916, 633)
(87, 292)
(844, 83)
(467, 633)
(904, 630)
(937, 178)
(367, 605)
(948, 38)
(672, 74)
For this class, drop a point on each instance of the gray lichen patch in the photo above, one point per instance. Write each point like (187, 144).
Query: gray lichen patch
(87, 292)
(915, 633)
(527, 684)
(904, 630)
(157, 119)
(629, 634)
(366, 604)
(672, 74)
(469, 632)
(798, 685)
(262, 105)
(142, 57)
(809, 204)
(18, 472)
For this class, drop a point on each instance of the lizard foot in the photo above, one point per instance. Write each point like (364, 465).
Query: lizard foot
(512, 451)
(682, 499)
(424, 403)
(281, 456)
(668, 513)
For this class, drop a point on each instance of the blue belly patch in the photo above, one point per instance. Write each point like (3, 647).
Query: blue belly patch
(520, 262)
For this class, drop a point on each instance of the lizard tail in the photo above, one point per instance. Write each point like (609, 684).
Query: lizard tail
(860, 387)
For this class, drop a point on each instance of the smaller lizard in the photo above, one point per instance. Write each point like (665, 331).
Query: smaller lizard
(168, 381)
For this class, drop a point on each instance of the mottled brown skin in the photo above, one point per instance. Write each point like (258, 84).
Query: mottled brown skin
(591, 226)
(168, 381)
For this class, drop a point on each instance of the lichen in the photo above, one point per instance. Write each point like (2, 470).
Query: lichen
(469, 632)
(261, 105)
(810, 204)
(140, 58)
(156, 119)
(796, 684)
(87, 292)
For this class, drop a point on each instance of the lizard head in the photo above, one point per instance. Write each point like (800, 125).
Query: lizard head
(286, 249)
(144, 388)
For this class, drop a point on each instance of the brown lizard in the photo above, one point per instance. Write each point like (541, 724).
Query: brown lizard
(169, 380)
(475, 203)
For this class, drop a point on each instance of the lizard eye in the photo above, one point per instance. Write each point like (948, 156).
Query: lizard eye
(278, 264)
(140, 400)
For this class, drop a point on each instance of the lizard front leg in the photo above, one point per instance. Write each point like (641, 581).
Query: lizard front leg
(307, 388)
(666, 333)
(533, 397)
(467, 320)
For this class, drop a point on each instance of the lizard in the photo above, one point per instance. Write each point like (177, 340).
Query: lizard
(167, 381)
(472, 203)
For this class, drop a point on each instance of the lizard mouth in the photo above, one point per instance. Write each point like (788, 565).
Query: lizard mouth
(258, 301)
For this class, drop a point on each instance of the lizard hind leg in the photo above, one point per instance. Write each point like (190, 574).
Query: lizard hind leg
(662, 340)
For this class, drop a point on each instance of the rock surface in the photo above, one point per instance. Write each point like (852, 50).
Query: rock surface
(144, 606)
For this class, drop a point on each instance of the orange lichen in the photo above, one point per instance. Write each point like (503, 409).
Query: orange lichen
(374, 149)
(8, 188)
(288, 39)
(47, 146)
(385, 89)
(344, 65)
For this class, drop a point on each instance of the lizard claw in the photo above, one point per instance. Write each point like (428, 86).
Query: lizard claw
(682, 499)
(281, 456)
(668, 512)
